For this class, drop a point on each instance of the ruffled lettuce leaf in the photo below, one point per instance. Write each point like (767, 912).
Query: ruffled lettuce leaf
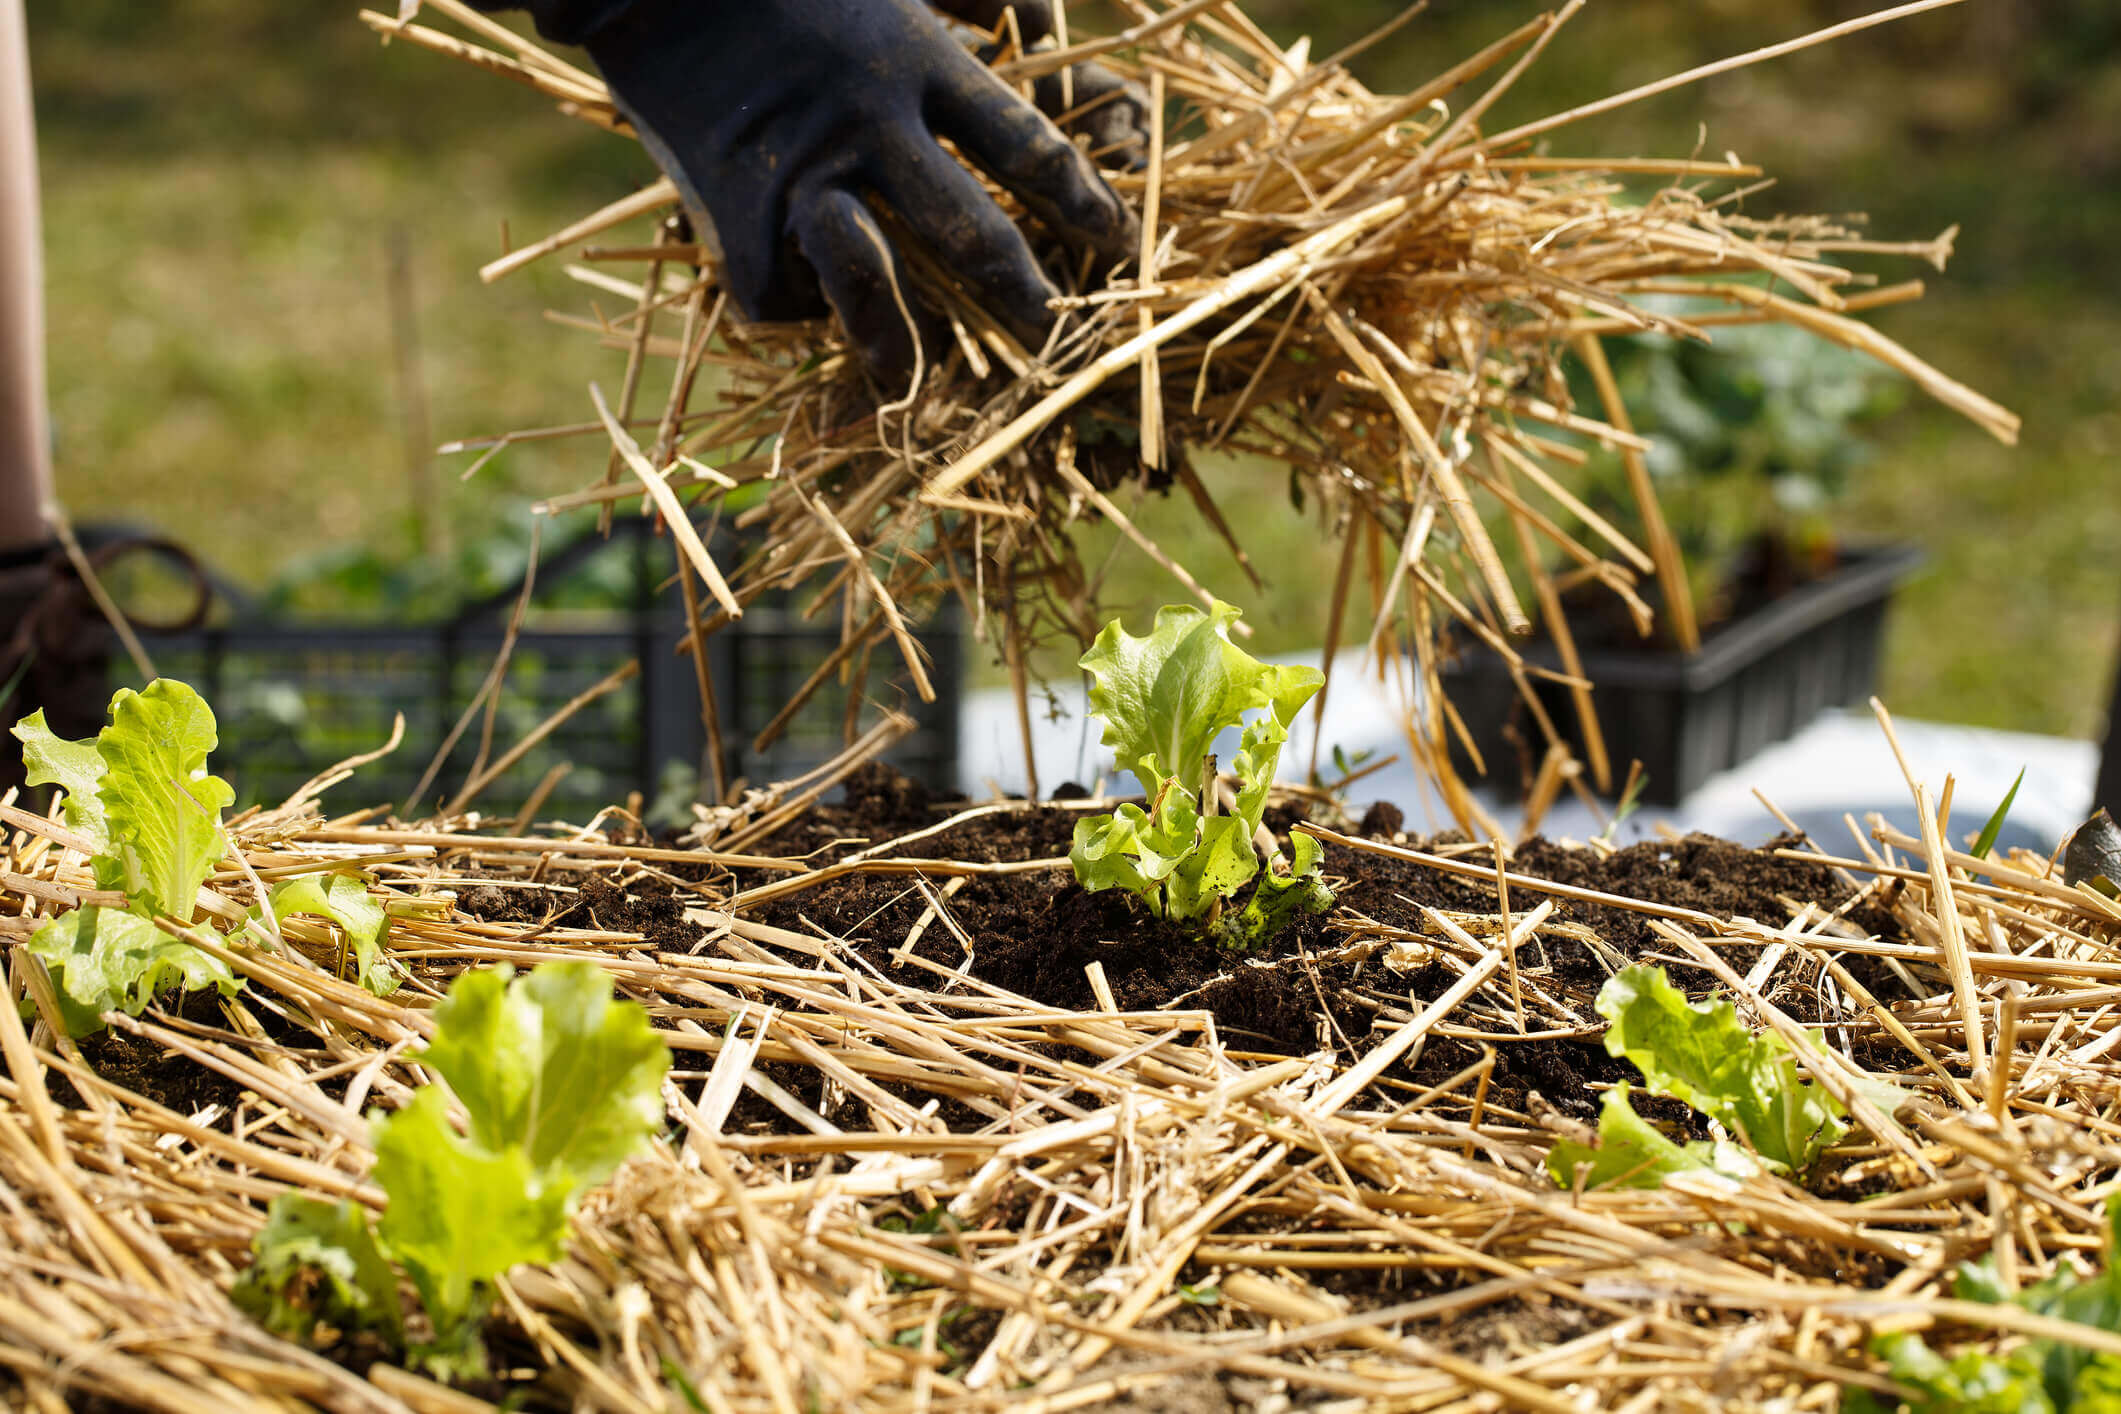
(1217, 866)
(1283, 894)
(1129, 850)
(107, 960)
(1177, 863)
(1633, 1153)
(1166, 697)
(76, 767)
(163, 809)
(1973, 1382)
(1259, 755)
(553, 1066)
(343, 898)
(2035, 1377)
(2071, 1376)
(461, 1214)
(1703, 1056)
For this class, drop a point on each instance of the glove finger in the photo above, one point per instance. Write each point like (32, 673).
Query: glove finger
(948, 208)
(1114, 113)
(1020, 148)
(862, 277)
(747, 224)
(1034, 18)
(772, 281)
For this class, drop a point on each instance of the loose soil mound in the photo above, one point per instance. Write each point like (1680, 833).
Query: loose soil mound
(1038, 934)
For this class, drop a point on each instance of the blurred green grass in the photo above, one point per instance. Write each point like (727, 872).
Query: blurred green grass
(223, 184)
(223, 181)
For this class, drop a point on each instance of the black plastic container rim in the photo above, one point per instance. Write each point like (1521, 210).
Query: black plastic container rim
(1865, 576)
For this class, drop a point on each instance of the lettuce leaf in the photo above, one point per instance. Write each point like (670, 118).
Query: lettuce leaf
(1259, 757)
(1970, 1383)
(2063, 1369)
(319, 1262)
(2041, 1376)
(461, 1214)
(552, 1066)
(2036, 1377)
(163, 809)
(1634, 1153)
(1703, 1056)
(1217, 866)
(1280, 896)
(343, 898)
(1129, 850)
(107, 960)
(76, 767)
(1165, 698)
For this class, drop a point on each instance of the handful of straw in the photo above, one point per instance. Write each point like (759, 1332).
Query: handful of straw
(1370, 287)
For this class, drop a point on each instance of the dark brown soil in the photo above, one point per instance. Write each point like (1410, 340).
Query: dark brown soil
(1036, 933)
(651, 909)
(142, 1066)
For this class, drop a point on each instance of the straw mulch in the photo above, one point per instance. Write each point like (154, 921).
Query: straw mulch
(1136, 1205)
(1372, 288)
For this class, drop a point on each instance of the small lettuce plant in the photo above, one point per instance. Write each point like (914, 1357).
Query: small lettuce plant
(1164, 699)
(1704, 1057)
(139, 797)
(559, 1083)
(2045, 1376)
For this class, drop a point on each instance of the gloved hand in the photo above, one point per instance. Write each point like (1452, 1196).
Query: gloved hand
(1094, 100)
(779, 117)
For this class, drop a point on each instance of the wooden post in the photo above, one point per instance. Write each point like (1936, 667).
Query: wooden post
(25, 427)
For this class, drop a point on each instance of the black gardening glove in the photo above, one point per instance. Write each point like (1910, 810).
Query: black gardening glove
(1086, 98)
(778, 117)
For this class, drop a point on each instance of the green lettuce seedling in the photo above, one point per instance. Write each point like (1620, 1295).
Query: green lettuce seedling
(139, 795)
(1701, 1056)
(559, 1084)
(1163, 700)
(2038, 1377)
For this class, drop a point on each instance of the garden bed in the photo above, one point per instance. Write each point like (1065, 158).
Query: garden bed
(944, 1131)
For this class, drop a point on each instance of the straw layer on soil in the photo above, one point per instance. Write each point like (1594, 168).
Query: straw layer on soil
(1372, 288)
(893, 1182)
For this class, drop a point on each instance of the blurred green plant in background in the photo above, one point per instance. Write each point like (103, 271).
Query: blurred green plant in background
(1755, 440)
(392, 580)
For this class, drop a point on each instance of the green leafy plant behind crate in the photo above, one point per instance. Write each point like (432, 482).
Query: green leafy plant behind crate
(1164, 699)
(1753, 439)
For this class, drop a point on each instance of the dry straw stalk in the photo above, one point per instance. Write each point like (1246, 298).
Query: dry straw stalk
(1366, 286)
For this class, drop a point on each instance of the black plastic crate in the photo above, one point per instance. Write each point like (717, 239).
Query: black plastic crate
(1754, 682)
(293, 698)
